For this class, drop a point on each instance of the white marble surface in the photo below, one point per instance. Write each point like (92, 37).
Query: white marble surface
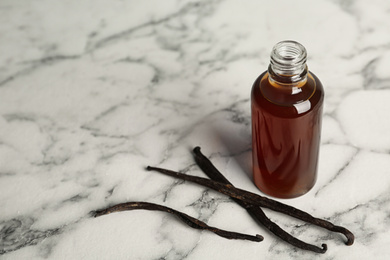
(93, 91)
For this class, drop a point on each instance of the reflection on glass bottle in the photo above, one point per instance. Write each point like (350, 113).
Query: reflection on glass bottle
(287, 103)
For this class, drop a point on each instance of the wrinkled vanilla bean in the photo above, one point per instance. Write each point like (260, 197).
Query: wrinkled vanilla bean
(190, 221)
(255, 211)
(257, 200)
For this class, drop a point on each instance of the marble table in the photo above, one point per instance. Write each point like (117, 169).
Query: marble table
(91, 92)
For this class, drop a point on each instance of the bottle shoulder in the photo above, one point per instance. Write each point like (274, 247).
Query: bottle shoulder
(287, 100)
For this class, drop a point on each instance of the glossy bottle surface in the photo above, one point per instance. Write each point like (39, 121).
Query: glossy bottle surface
(286, 128)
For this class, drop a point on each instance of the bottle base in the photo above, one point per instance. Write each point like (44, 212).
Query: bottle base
(281, 195)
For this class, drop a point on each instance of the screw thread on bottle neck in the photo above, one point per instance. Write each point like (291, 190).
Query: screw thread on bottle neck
(288, 62)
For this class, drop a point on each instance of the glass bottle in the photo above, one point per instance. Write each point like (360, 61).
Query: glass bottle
(286, 103)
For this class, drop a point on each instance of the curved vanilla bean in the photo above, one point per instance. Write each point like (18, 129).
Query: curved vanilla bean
(190, 221)
(255, 199)
(255, 211)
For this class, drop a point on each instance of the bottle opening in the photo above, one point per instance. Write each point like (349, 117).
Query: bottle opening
(289, 51)
(288, 60)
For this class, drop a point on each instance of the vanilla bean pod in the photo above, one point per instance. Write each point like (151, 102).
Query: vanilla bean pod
(257, 200)
(190, 221)
(255, 211)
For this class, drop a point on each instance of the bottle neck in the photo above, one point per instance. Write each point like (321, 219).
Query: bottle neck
(288, 64)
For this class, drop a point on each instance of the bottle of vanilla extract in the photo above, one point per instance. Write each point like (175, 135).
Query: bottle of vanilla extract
(286, 102)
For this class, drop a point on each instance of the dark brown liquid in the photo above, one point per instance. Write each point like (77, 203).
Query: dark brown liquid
(286, 128)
